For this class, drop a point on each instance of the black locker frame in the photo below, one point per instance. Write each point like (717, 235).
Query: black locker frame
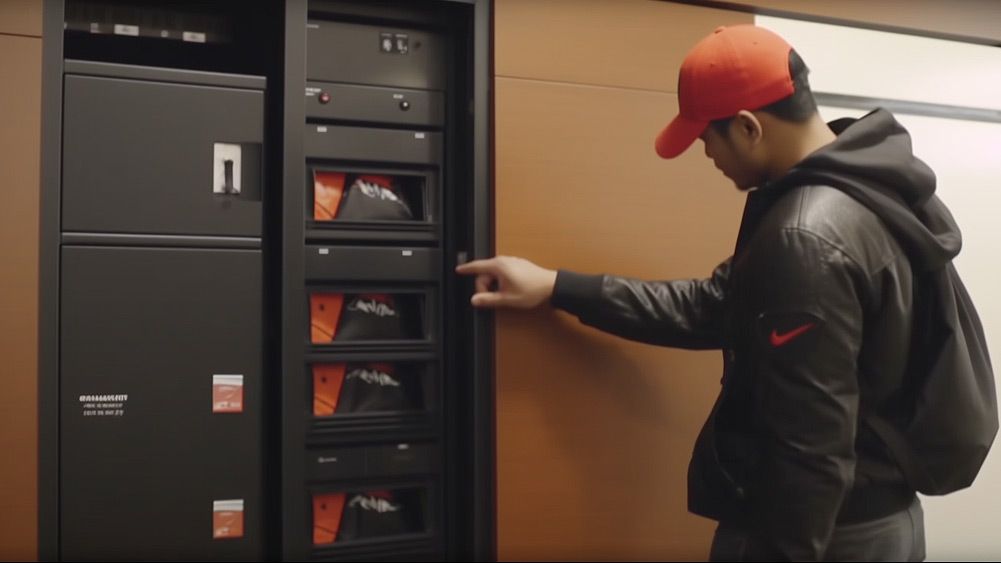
(469, 504)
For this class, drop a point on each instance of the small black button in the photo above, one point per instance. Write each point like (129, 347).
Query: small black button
(404, 105)
(324, 98)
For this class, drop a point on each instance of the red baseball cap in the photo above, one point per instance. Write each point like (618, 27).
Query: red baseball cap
(740, 67)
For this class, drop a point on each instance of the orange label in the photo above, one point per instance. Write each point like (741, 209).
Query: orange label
(327, 382)
(227, 393)
(227, 519)
(327, 511)
(324, 314)
(328, 190)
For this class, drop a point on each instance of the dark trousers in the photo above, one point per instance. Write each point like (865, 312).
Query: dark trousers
(897, 537)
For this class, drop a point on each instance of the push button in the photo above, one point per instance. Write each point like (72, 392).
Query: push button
(324, 98)
(405, 105)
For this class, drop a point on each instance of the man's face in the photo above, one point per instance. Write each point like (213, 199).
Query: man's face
(732, 158)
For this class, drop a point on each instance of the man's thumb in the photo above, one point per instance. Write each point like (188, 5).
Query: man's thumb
(491, 299)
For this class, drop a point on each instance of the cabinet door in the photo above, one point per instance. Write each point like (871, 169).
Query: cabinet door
(151, 157)
(161, 404)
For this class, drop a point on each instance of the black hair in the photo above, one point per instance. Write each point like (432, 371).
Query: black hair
(796, 108)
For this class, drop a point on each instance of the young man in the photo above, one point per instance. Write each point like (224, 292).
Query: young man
(814, 311)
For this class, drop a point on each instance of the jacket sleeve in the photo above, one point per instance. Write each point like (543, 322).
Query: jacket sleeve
(681, 313)
(806, 304)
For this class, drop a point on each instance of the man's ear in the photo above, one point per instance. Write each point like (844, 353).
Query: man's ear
(748, 127)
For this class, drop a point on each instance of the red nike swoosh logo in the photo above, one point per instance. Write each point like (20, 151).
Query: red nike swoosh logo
(783, 339)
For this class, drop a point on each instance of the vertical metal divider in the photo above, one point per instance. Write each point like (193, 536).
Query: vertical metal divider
(273, 222)
(294, 522)
(484, 495)
(49, 272)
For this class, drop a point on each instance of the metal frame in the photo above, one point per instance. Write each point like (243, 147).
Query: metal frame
(48, 319)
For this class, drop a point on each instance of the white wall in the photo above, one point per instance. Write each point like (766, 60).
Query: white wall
(966, 157)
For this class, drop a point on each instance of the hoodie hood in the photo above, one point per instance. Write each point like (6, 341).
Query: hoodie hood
(872, 161)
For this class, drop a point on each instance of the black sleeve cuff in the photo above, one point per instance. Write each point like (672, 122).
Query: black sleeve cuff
(576, 293)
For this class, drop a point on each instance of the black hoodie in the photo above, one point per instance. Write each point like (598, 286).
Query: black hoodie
(821, 322)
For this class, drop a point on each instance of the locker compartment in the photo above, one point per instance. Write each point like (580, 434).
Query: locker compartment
(221, 35)
(360, 263)
(369, 316)
(349, 388)
(373, 144)
(368, 514)
(161, 429)
(159, 157)
(350, 195)
(400, 459)
(351, 102)
(376, 55)
(134, 20)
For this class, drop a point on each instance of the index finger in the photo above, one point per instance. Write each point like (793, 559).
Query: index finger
(488, 266)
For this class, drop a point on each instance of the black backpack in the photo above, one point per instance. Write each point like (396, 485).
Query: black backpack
(941, 441)
(943, 433)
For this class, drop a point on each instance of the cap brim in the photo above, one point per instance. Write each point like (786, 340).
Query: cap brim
(679, 134)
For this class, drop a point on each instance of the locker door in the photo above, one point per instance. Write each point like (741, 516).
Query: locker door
(160, 386)
(150, 157)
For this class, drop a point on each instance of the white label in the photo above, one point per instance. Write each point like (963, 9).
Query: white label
(164, 33)
(224, 152)
(312, 91)
(219, 379)
(408, 252)
(403, 447)
(322, 459)
(419, 135)
(132, 30)
(324, 251)
(312, 26)
(193, 36)
(321, 128)
(95, 28)
(104, 404)
(232, 505)
(397, 96)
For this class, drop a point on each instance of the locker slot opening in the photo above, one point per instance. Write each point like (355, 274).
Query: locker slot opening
(355, 515)
(345, 196)
(351, 388)
(369, 316)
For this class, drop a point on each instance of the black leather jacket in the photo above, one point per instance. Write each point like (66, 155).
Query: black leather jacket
(813, 313)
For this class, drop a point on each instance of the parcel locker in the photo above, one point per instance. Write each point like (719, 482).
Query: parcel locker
(386, 143)
(162, 152)
(253, 343)
(161, 416)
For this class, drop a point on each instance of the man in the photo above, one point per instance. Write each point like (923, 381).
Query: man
(814, 311)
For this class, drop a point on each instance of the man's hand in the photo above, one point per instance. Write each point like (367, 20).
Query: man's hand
(506, 281)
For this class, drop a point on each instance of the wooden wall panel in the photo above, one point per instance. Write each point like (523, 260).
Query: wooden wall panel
(21, 17)
(626, 43)
(594, 432)
(20, 123)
